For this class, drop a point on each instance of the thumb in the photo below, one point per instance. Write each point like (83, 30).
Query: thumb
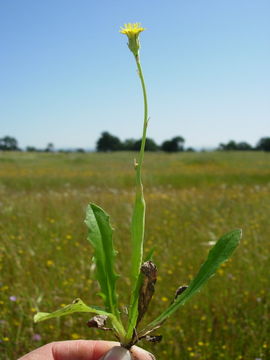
(96, 350)
(120, 353)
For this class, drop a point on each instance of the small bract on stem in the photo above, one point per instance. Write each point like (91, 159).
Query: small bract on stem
(143, 270)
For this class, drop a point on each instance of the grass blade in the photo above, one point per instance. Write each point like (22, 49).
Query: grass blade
(100, 236)
(221, 251)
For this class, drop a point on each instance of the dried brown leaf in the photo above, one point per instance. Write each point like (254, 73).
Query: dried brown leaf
(149, 271)
(179, 291)
(153, 338)
(142, 334)
(98, 322)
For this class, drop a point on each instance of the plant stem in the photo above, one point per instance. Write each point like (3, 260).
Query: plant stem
(145, 122)
(138, 220)
(118, 327)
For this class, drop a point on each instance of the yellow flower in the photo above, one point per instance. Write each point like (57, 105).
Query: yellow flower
(133, 31)
(49, 263)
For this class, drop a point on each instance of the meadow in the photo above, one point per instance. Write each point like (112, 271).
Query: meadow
(192, 199)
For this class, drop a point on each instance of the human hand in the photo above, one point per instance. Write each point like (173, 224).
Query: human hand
(80, 350)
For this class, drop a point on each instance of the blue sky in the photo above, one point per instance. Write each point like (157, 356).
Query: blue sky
(66, 73)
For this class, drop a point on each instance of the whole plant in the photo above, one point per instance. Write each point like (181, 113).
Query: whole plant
(143, 271)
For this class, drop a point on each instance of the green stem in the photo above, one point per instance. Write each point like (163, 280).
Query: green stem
(138, 220)
(118, 327)
(145, 122)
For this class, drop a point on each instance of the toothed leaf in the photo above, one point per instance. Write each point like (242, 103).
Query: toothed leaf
(100, 237)
(77, 306)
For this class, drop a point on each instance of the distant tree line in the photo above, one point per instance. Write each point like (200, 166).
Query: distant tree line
(263, 144)
(9, 143)
(108, 142)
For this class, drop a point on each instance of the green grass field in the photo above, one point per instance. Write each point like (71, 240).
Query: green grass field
(192, 199)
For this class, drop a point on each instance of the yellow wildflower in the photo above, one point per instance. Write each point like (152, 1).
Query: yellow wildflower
(133, 31)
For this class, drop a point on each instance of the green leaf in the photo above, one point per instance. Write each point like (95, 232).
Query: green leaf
(133, 310)
(149, 255)
(221, 251)
(77, 306)
(137, 237)
(100, 236)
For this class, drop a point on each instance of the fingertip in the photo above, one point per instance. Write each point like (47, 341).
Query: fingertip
(81, 349)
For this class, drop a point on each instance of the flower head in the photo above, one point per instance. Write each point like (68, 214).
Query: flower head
(133, 31)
